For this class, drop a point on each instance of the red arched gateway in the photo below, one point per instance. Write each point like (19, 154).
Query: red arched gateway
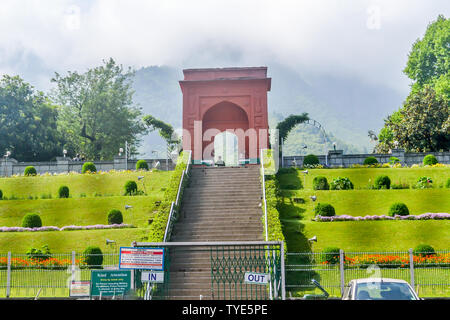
(225, 99)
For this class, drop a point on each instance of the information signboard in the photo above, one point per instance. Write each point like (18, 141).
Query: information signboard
(80, 288)
(110, 282)
(141, 258)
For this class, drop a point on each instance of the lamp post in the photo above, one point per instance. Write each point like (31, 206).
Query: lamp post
(128, 207)
(311, 241)
(304, 174)
(143, 184)
(8, 153)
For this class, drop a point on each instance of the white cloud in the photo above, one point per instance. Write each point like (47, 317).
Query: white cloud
(366, 39)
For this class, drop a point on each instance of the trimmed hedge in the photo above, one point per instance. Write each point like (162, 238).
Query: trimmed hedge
(324, 210)
(447, 184)
(320, 183)
(1, 194)
(63, 192)
(93, 257)
(370, 161)
(331, 255)
(88, 167)
(30, 171)
(424, 250)
(273, 216)
(130, 188)
(382, 182)
(115, 217)
(141, 165)
(310, 159)
(31, 220)
(341, 184)
(429, 160)
(398, 208)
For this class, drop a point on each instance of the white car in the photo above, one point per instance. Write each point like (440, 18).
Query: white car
(379, 289)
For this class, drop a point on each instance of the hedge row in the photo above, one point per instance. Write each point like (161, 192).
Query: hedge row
(275, 231)
(158, 226)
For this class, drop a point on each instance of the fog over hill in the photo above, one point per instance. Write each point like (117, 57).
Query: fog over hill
(346, 107)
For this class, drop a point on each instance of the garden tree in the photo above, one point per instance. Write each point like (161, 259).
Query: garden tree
(97, 115)
(165, 130)
(28, 126)
(285, 126)
(422, 123)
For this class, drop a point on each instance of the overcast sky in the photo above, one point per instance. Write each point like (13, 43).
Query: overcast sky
(365, 39)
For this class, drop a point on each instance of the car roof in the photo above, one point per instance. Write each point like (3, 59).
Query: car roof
(378, 280)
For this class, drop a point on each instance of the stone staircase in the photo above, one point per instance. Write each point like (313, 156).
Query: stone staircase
(220, 204)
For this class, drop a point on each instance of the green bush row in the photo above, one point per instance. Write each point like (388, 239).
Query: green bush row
(275, 232)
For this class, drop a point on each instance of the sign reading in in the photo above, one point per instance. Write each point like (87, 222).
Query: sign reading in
(110, 282)
(256, 278)
(152, 276)
(141, 258)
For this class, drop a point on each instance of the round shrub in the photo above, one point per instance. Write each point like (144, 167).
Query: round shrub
(331, 255)
(320, 183)
(115, 217)
(310, 160)
(93, 256)
(393, 160)
(32, 220)
(324, 210)
(382, 182)
(370, 161)
(424, 250)
(341, 184)
(30, 171)
(88, 167)
(1, 193)
(130, 188)
(398, 208)
(141, 165)
(429, 160)
(424, 183)
(63, 192)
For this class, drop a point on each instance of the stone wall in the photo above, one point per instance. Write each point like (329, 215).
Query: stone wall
(337, 158)
(11, 166)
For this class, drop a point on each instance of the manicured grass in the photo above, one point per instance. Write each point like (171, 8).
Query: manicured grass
(362, 177)
(68, 241)
(78, 211)
(111, 184)
(375, 202)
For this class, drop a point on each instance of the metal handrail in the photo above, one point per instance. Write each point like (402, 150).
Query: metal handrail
(264, 195)
(175, 203)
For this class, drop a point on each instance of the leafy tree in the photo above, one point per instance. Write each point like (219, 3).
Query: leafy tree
(285, 126)
(28, 126)
(165, 130)
(97, 115)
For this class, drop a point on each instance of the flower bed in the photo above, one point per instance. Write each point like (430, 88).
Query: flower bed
(424, 216)
(67, 228)
(394, 261)
(50, 263)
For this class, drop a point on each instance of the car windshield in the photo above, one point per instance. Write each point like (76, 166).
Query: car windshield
(383, 291)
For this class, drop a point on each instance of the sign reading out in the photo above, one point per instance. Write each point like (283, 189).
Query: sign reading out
(110, 282)
(152, 276)
(141, 258)
(256, 278)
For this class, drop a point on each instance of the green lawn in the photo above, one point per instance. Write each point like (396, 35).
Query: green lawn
(83, 211)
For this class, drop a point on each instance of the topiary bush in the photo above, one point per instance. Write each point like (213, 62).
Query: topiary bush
(30, 171)
(320, 183)
(324, 210)
(141, 165)
(1, 194)
(93, 257)
(393, 160)
(130, 188)
(115, 217)
(88, 167)
(31, 220)
(341, 184)
(370, 161)
(398, 208)
(331, 255)
(423, 250)
(63, 192)
(423, 183)
(447, 184)
(429, 160)
(310, 160)
(382, 182)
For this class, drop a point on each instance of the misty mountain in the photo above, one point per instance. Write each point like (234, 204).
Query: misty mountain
(346, 107)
